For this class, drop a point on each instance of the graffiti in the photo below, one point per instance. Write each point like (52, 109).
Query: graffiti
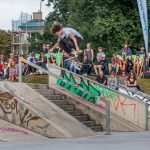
(77, 84)
(12, 130)
(138, 96)
(9, 104)
(116, 100)
(107, 92)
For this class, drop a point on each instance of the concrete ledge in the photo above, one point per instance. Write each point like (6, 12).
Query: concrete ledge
(28, 109)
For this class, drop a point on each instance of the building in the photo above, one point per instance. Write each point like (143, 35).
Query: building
(23, 28)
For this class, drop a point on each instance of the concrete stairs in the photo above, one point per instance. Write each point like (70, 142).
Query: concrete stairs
(63, 102)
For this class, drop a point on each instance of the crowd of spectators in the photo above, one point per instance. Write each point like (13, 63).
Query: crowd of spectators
(122, 69)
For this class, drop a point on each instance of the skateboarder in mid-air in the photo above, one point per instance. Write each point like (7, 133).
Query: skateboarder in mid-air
(68, 39)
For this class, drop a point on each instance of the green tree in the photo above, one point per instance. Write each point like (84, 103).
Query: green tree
(107, 23)
(5, 42)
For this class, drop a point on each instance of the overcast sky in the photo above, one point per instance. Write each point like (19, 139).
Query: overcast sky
(11, 9)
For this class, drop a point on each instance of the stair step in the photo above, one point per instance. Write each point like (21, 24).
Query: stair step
(67, 107)
(82, 118)
(38, 86)
(48, 92)
(89, 123)
(97, 128)
(59, 102)
(75, 112)
(45, 92)
(55, 97)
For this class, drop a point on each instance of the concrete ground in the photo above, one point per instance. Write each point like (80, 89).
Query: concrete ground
(23, 139)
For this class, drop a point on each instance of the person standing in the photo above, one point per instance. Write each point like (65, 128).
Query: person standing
(89, 52)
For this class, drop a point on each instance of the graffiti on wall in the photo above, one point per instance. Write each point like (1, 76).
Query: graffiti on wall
(9, 105)
(138, 96)
(117, 101)
(18, 113)
(77, 85)
(12, 130)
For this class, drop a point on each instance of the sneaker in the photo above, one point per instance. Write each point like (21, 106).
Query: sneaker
(74, 53)
(78, 68)
(79, 51)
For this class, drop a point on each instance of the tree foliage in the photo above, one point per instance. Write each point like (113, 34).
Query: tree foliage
(5, 42)
(106, 23)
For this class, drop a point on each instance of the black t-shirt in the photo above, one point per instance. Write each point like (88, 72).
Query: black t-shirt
(101, 80)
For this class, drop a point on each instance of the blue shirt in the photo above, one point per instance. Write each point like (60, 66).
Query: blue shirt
(128, 52)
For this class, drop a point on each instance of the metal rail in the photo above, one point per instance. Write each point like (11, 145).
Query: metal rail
(66, 81)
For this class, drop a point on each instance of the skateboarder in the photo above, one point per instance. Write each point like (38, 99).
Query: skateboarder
(68, 39)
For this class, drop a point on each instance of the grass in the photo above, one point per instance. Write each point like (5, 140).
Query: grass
(40, 79)
(145, 85)
(43, 79)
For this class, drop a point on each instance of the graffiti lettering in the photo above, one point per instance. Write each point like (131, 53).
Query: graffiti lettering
(12, 130)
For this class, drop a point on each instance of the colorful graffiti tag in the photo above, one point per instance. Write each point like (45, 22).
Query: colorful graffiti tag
(80, 83)
(12, 130)
(115, 99)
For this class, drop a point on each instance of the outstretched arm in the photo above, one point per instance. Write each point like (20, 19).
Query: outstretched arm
(56, 45)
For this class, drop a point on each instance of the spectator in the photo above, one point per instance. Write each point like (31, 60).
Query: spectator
(1, 70)
(86, 66)
(112, 81)
(10, 60)
(97, 66)
(12, 71)
(52, 59)
(5, 74)
(141, 52)
(114, 65)
(42, 60)
(34, 60)
(132, 82)
(66, 62)
(137, 65)
(101, 65)
(89, 52)
(123, 63)
(129, 64)
(44, 49)
(101, 78)
(123, 78)
(125, 50)
(100, 54)
(73, 66)
(1, 58)
(11, 56)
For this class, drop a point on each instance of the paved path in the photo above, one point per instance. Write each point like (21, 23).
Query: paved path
(116, 141)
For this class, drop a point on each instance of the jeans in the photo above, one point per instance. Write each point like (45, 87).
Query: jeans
(73, 68)
(67, 44)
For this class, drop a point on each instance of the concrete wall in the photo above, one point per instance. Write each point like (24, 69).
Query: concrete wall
(123, 106)
(30, 110)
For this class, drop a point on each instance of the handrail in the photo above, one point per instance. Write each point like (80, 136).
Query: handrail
(21, 59)
(139, 93)
(96, 83)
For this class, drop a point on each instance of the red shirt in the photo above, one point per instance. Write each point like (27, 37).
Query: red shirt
(1, 68)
